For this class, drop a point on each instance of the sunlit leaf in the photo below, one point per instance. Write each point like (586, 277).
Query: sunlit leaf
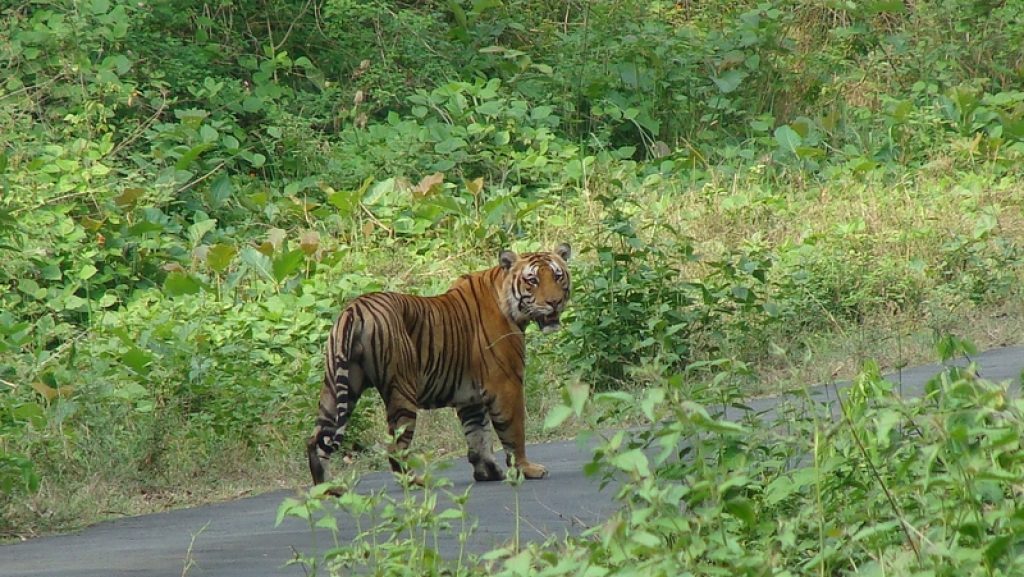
(429, 185)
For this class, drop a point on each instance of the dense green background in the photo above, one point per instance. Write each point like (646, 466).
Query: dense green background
(190, 190)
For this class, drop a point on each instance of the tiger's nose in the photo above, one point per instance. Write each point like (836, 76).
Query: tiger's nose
(554, 303)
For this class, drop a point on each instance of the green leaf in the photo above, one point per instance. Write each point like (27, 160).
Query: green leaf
(729, 81)
(556, 416)
(646, 539)
(193, 153)
(285, 509)
(220, 190)
(327, 522)
(520, 564)
(208, 134)
(87, 272)
(787, 138)
(179, 283)
(31, 288)
(258, 262)
(199, 229)
(997, 548)
(256, 159)
(145, 227)
(578, 395)
(138, 360)
(632, 461)
(449, 145)
(490, 108)
(51, 272)
(219, 257)
(284, 265)
(742, 509)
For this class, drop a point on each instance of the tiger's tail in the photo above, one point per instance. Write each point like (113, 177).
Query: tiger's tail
(337, 398)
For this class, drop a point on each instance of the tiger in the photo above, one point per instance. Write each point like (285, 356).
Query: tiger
(463, 349)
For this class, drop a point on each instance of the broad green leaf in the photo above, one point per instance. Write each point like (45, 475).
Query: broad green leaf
(219, 257)
(285, 264)
(285, 509)
(578, 395)
(344, 201)
(556, 416)
(191, 155)
(199, 229)
(742, 509)
(327, 522)
(87, 272)
(632, 461)
(30, 412)
(647, 539)
(729, 81)
(220, 190)
(179, 283)
(787, 138)
(138, 360)
(490, 108)
(449, 145)
(145, 227)
(258, 262)
(208, 134)
(31, 288)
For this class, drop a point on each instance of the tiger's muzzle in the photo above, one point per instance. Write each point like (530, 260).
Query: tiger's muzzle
(549, 320)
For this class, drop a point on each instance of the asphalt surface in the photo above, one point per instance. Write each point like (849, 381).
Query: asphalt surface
(238, 538)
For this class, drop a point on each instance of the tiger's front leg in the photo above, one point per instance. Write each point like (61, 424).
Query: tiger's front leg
(508, 415)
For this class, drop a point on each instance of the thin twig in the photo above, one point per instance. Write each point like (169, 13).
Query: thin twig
(188, 185)
(292, 25)
(143, 127)
(374, 219)
(50, 201)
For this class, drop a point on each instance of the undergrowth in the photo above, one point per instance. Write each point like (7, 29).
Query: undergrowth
(874, 483)
(189, 194)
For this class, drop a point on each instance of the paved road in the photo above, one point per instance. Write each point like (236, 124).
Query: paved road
(240, 539)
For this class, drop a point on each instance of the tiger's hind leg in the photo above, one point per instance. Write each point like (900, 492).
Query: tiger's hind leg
(476, 426)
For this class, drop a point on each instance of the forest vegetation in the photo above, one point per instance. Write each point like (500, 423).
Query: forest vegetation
(763, 195)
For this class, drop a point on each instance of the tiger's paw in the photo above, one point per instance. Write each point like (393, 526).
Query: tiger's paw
(488, 471)
(532, 470)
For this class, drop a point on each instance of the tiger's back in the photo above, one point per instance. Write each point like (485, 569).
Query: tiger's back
(463, 349)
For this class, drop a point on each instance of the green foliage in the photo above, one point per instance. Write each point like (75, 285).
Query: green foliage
(189, 192)
(893, 485)
(395, 536)
(632, 303)
(889, 485)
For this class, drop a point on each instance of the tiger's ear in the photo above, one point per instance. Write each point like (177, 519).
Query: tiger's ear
(507, 258)
(564, 251)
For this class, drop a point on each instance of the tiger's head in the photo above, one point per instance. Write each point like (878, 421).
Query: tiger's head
(537, 286)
